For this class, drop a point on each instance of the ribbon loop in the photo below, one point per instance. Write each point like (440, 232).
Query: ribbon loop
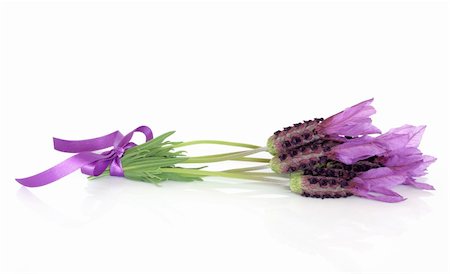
(90, 163)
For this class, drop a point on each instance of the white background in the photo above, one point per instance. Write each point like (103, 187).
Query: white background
(234, 71)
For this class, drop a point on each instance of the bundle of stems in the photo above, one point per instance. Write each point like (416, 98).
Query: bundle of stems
(159, 160)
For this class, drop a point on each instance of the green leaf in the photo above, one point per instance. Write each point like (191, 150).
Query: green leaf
(144, 162)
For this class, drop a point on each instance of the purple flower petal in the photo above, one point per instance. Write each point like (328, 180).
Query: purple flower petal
(385, 195)
(412, 182)
(427, 161)
(406, 160)
(383, 176)
(404, 136)
(375, 184)
(411, 162)
(414, 134)
(353, 121)
(392, 141)
(357, 149)
(379, 194)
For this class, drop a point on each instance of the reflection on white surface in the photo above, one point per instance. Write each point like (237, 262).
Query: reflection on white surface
(340, 232)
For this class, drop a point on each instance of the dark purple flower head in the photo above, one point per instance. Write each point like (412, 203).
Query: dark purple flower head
(353, 121)
(320, 186)
(373, 184)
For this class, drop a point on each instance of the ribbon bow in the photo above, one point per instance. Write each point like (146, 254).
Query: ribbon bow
(90, 163)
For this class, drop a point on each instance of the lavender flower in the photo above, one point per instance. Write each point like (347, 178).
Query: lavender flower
(374, 184)
(370, 166)
(353, 121)
(336, 157)
(319, 158)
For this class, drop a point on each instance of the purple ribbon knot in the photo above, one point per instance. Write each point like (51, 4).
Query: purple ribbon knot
(90, 163)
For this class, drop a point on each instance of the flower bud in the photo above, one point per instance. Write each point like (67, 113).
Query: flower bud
(310, 156)
(294, 136)
(320, 186)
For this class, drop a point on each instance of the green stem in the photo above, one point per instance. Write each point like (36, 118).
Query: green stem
(238, 175)
(236, 156)
(250, 159)
(248, 168)
(215, 142)
(224, 157)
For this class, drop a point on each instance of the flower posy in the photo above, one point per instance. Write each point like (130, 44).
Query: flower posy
(340, 156)
(336, 157)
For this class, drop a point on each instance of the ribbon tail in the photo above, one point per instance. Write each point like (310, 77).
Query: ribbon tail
(60, 170)
(86, 145)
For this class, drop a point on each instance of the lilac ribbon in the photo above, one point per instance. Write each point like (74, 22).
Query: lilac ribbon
(90, 163)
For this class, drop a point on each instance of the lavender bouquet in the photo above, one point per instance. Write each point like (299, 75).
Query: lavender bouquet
(336, 157)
